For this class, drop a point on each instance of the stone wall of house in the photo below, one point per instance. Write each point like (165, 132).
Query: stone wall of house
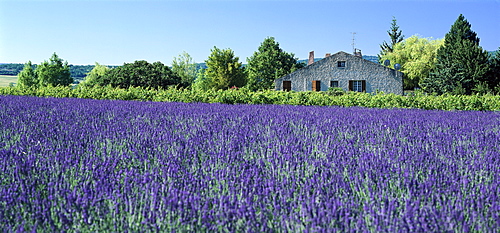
(377, 77)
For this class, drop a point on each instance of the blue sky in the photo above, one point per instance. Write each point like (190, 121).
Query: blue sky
(116, 31)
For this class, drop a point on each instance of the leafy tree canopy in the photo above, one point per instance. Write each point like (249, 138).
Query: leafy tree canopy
(184, 67)
(224, 70)
(202, 81)
(54, 72)
(493, 75)
(269, 63)
(140, 74)
(96, 76)
(417, 57)
(27, 77)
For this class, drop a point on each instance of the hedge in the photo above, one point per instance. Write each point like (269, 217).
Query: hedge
(245, 96)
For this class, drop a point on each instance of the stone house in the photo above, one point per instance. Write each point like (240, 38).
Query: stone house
(344, 70)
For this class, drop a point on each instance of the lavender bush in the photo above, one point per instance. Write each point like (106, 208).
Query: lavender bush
(102, 165)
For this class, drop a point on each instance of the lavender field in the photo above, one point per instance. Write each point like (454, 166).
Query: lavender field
(99, 165)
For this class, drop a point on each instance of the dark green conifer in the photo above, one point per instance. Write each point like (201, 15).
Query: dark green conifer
(493, 75)
(396, 36)
(461, 62)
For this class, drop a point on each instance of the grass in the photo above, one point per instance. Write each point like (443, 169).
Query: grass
(5, 80)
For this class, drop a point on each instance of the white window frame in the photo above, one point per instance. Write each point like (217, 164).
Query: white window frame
(357, 85)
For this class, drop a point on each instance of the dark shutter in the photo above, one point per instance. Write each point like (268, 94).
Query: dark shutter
(363, 85)
(287, 85)
(351, 85)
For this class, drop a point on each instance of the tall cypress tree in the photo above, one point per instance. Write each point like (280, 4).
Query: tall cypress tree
(461, 62)
(396, 36)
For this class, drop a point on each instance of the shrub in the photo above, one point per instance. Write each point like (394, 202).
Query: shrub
(486, 102)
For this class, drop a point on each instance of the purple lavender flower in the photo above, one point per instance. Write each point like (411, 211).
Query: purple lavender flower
(87, 165)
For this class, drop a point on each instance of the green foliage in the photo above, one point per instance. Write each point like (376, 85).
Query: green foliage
(223, 70)
(202, 81)
(482, 88)
(54, 72)
(95, 76)
(27, 77)
(269, 63)
(335, 91)
(460, 61)
(396, 36)
(493, 75)
(77, 71)
(458, 89)
(140, 74)
(417, 57)
(184, 67)
(80, 71)
(419, 100)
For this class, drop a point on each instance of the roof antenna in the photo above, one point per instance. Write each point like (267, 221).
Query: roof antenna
(353, 42)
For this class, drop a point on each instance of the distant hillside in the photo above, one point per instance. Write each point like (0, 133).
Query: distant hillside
(80, 71)
(10, 68)
(366, 57)
(371, 58)
(77, 71)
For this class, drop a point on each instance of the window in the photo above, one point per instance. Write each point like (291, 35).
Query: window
(316, 85)
(357, 85)
(334, 83)
(341, 64)
(287, 85)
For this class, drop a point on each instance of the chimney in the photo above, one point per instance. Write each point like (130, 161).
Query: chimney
(357, 53)
(311, 58)
(327, 55)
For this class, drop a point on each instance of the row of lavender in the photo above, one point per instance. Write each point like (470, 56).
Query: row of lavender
(100, 165)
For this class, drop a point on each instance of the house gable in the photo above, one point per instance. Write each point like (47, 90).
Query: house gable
(344, 70)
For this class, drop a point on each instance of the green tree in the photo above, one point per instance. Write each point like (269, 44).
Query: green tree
(269, 63)
(224, 70)
(396, 36)
(96, 76)
(202, 82)
(493, 75)
(184, 67)
(417, 57)
(141, 74)
(54, 72)
(27, 77)
(461, 62)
